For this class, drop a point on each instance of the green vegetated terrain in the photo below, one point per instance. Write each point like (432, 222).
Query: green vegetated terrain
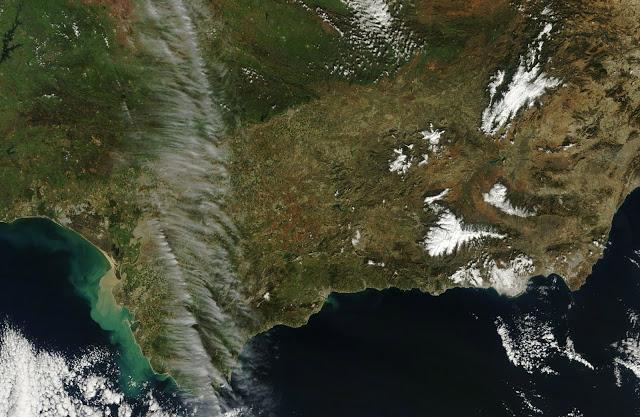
(316, 103)
(68, 83)
(317, 206)
(278, 53)
(307, 179)
(63, 85)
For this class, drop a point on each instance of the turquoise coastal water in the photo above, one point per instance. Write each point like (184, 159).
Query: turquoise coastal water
(57, 290)
(384, 353)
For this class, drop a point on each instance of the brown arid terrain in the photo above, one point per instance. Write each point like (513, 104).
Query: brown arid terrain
(321, 211)
(325, 185)
(119, 10)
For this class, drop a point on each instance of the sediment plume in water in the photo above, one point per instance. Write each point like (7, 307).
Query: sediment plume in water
(66, 347)
(195, 240)
(90, 276)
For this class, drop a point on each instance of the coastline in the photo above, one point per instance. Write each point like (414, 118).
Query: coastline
(106, 306)
(105, 311)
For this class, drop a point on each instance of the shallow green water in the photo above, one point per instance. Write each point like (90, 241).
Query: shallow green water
(86, 269)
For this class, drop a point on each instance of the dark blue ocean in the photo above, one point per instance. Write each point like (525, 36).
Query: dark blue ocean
(54, 359)
(466, 353)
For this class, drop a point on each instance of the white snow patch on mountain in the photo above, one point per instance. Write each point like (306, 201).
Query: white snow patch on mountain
(497, 197)
(355, 240)
(432, 136)
(401, 163)
(449, 233)
(429, 201)
(527, 84)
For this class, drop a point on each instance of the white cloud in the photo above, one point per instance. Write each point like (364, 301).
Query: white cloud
(528, 343)
(373, 29)
(628, 351)
(468, 275)
(372, 15)
(36, 382)
(531, 345)
(496, 81)
(511, 277)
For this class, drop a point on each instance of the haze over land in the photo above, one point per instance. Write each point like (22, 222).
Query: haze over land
(241, 159)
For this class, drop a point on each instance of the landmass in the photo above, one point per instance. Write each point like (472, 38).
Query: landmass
(239, 160)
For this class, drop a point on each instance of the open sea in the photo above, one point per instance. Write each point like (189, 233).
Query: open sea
(65, 347)
(466, 353)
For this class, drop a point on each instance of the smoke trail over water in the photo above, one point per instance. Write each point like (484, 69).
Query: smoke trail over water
(194, 238)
